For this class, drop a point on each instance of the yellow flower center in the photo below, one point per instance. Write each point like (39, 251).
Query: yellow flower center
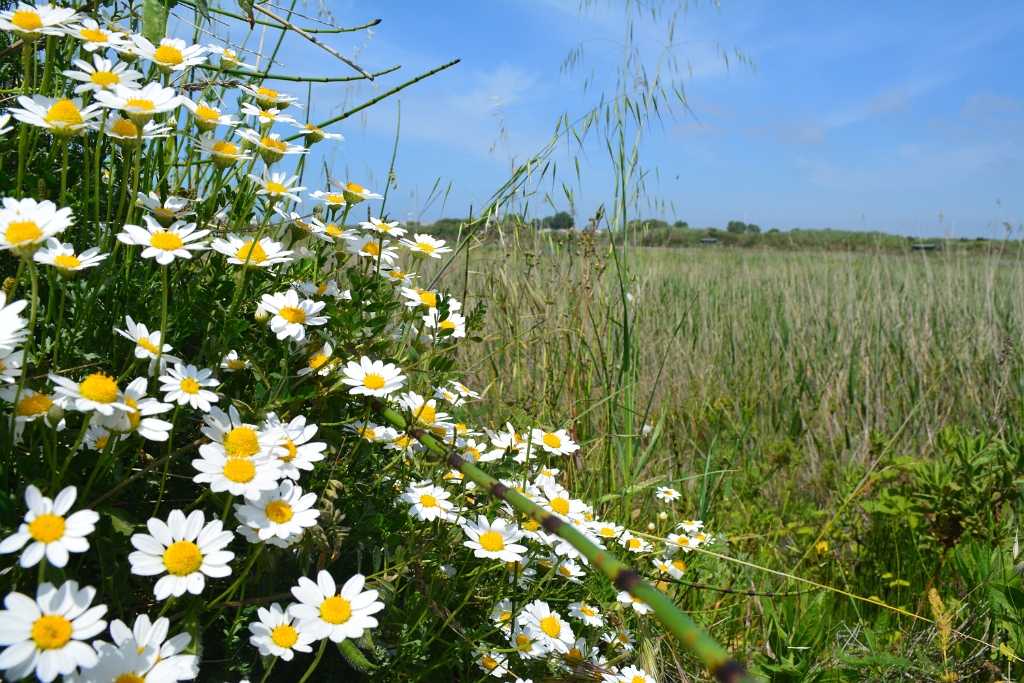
(27, 20)
(531, 525)
(36, 404)
(447, 325)
(293, 314)
(428, 501)
(633, 543)
(606, 532)
(523, 642)
(552, 440)
(679, 565)
(564, 570)
(372, 249)
(225, 148)
(492, 541)
(587, 610)
(284, 635)
(278, 511)
(168, 54)
(189, 386)
(99, 388)
(182, 558)
(355, 188)
(335, 610)
(130, 677)
(368, 433)
(241, 442)
(229, 56)
(292, 451)
(373, 381)
(489, 662)
(332, 230)
(267, 93)
(275, 187)
(104, 79)
(139, 104)
(148, 345)
(46, 528)
(335, 198)
(473, 453)
(239, 470)
(638, 679)
(560, 505)
(66, 261)
(134, 416)
(51, 632)
(425, 247)
(253, 251)
(273, 144)
(317, 360)
(236, 363)
(207, 113)
(428, 298)
(504, 616)
(551, 625)
(102, 441)
(22, 232)
(124, 128)
(93, 35)
(427, 414)
(166, 241)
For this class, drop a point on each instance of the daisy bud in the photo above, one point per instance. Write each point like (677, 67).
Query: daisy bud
(54, 415)
(313, 135)
(650, 526)
(662, 515)
(261, 315)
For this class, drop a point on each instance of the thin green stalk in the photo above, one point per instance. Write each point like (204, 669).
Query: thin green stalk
(316, 661)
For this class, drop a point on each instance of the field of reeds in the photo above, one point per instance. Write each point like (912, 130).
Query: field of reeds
(849, 423)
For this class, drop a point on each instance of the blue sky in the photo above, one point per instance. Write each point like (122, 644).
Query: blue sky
(863, 115)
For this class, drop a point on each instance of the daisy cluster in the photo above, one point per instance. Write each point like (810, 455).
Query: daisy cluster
(247, 351)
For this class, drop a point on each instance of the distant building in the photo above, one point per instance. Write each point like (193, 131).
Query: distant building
(709, 240)
(924, 246)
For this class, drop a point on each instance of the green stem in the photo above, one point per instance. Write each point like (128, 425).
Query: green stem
(315, 663)
(66, 144)
(691, 636)
(26, 65)
(163, 319)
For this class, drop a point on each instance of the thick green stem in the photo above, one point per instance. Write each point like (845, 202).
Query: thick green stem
(685, 631)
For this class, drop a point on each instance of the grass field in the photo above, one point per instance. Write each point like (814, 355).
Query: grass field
(849, 419)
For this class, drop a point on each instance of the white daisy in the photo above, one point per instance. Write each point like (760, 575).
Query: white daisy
(184, 385)
(224, 152)
(31, 404)
(330, 232)
(269, 146)
(291, 315)
(588, 614)
(228, 57)
(11, 366)
(557, 442)
(373, 433)
(526, 644)
(232, 362)
(268, 97)
(319, 361)
(428, 502)
(140, 104)
(314, 134)
(184, 550)
(267, 116)
(166, 211)
(355, 193)
(49, 635)
(139, 417)
(554, 632)
(248, 252)
(325, 612)
(172, 54)
(294, 447)
(177, 240)
(451, 325)
(102, 74)
(208, 116)
(494, 540)
(332, 199)
(142, 653)
(125, 133)
(147, 344)
(235, 437)
(425, 245)
(493, 663)
(48, 529)
(98, 437)
(568, 569)
(382, 227)
(638, 606)
(424, 411)
(5, 127)
(374, 248)
(629, 674)
(690, 526)
(96, 391)
(275, 634)
(417, 298)
(94, 37)
(278, 186)
(26, 223)
(30, 23)
(634, 544)
(667, 494)
(248, 477)
(13, 330)
(283, 512)
(62, 257)
(373, 377)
